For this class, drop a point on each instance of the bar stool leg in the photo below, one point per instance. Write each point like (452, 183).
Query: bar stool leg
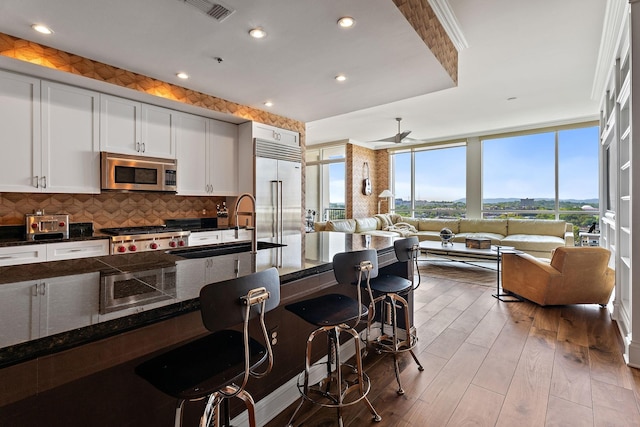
(178, 418)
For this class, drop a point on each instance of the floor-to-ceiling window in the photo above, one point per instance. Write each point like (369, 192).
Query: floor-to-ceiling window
(552, 175)
(430, 182)
(325, 183)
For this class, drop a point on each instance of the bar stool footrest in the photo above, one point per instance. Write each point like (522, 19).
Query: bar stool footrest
(325, 392)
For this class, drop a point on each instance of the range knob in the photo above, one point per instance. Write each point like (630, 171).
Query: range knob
(181, 243)
(34, 226)
(121, 249)
(61, 224)
(133, 248)
(173, 244)
(153, 245)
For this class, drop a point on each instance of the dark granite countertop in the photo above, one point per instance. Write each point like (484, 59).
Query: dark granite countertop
(53, 306)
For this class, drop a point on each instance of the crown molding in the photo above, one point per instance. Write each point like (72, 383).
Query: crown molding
(612, 31)
(449, 22)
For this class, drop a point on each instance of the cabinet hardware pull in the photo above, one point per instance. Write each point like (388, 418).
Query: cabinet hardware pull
(6, 257)
(37, 181)
(144, 147)
(44, 182)
(138, 147)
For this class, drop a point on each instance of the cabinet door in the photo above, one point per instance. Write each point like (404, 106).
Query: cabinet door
(191, 142)
(74, 250)
(19, 313)
(20, 124)
(24, 254)
(119, 125)
(70, 144)
(274, 134)
(69, 302)
(158, 132)
(223, 155)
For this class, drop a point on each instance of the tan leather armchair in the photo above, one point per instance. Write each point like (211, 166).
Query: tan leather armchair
(575, 275)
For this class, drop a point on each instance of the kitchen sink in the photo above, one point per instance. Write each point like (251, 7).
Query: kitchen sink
(209, 251)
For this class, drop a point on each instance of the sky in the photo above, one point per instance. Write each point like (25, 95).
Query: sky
(516, 167)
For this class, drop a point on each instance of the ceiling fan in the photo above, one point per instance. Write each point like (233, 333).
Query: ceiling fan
(398, 137)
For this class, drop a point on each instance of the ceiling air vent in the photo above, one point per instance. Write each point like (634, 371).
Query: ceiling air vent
(217, 11)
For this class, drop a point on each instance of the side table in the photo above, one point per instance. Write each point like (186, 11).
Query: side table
(589, 239)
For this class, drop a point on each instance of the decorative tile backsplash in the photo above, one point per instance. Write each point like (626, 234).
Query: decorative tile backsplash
(108, 209)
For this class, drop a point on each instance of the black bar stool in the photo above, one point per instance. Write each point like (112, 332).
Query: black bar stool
(213, 366)
(390, 292)
(343, 385)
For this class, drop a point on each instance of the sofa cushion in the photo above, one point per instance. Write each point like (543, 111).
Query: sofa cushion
(411, 221)
(366, 224)
(384, 220)
(496, 226)
(534, 243)
(382, 233)
(437, 224)
(544, 227)
(342, 225)
(496, 239)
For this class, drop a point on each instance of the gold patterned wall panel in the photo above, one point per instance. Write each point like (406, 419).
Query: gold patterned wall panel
(108, 209)
(35, 53)
(422, 18)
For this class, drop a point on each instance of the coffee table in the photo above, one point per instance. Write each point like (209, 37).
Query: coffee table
(461, 253)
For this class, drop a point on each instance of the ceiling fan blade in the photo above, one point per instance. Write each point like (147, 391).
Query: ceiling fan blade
(390, 139)
(400, 136)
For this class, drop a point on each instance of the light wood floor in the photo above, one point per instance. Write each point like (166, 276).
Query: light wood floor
(490, 363)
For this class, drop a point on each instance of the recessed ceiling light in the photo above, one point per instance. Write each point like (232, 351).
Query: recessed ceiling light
(258, 33)
(42, 29)
(346, 22)
(268, 104)
(341, 77)
(183, 76)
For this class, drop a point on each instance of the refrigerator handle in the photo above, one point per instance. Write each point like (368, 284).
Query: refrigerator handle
(274, 214)
(280, 214)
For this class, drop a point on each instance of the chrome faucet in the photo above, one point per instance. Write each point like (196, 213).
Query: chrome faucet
(254, 236)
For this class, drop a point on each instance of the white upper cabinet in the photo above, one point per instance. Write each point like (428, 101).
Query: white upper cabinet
(50, 137)
(70, 161)
(20, 124)
(274, 134)
(191, 142)
(158, 132)
(223, 156)
(207, 156)
(130, 127)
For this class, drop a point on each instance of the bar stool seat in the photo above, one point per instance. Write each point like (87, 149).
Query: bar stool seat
(343, 384)
(390, 291)
(217, 366)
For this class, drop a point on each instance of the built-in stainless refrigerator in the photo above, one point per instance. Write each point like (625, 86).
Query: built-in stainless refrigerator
(278, 190)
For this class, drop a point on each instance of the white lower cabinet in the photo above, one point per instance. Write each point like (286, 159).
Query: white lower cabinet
(38, 308)
(28, 254)
(68, 302)
(73, 250)
(230, 236)
(19, 321)
(24, 254)
(201, 238)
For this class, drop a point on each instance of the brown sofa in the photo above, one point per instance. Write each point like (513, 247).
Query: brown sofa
(575, 275)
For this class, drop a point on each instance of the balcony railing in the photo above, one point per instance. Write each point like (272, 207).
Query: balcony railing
(332, 213)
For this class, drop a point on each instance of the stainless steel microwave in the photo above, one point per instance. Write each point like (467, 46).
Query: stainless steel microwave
(137, 173)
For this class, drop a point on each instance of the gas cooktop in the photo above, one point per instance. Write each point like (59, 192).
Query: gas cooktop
(147, 229)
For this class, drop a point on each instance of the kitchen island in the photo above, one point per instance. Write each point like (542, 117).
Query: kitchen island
(96, 327)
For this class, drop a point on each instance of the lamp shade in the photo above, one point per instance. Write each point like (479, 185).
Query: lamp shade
(386, 193)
